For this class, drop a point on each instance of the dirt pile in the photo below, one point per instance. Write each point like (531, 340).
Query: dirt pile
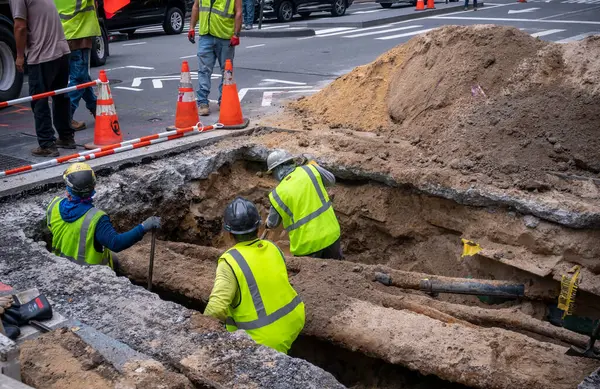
(480, 99)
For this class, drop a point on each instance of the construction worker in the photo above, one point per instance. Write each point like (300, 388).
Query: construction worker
(301, 202)
(82, 233)
(80, 24)
(252, 291)
(220, 25)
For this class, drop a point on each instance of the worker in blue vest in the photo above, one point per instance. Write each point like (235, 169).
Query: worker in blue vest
(301, 202)
(252, 291)
(82, 233)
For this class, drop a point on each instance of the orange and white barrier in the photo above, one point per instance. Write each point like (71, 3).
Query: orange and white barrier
(4, 104)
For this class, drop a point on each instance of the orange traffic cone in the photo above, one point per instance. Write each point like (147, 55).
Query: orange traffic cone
(430, 4)
(231, 110)
(107, 130)
(187, 110)
(420, 5)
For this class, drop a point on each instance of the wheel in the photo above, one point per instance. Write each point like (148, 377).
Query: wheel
(11, 80)
(304, 14)
(99, 49)
(285, 12)
(173, 21)
(386, 5)
(338, 8)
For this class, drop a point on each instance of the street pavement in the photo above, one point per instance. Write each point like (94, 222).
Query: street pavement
(144, 70)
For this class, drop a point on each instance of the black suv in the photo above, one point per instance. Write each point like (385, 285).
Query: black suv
(284, 10)
(143, 13)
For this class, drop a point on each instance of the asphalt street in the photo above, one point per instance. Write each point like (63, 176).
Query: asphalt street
(144, 70)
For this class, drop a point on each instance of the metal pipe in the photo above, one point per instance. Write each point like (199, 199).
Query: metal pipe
(473, 288)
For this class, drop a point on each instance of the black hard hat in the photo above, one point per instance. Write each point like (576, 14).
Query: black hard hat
(241, 217)
(80, 178)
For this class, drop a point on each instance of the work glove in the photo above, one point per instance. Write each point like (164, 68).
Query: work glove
(192, 35)
(150, 223)
(234, 41)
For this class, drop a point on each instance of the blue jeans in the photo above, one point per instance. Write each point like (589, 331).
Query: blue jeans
(248, 11)
(474, 3)
(211, 49)
(79, 73)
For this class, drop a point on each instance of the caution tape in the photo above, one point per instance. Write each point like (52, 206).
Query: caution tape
(568, 291)
(470, 248)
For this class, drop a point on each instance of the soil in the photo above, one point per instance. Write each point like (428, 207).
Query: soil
(513, 112)
(61, 360)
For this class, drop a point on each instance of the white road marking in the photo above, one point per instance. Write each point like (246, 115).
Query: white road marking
(157, 80)
(134, 44)
(139, 67)
(253, 46)
(189, 56)
(382, 31)
(367, 12)
(384, 38)
(268, 96)
(359, 30)
(269, 80)
(242, 92)
(274, 27)
(521, 11)
(516, 20)
(578, 37)
(571, 12)
(544, 33)
(336, 29)
(128, 88)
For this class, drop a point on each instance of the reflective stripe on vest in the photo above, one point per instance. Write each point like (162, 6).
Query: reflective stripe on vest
(217, 18)
(263, 319)
(78, 18)
(78, 10)
(50, 208)
(325, 205)
(225, 14)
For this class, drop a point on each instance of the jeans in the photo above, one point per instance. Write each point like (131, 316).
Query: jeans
(211, 49)
(79, 66)
(248, 11)
(46, 77)
(474, 3)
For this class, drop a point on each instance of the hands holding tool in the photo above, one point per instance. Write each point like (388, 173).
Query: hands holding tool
(153, 222)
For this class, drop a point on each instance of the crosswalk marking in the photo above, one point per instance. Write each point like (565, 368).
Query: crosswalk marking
(333, 30)
(578, 37)
(544, 33)
(384, 38)
(360, 29)
(382, 31)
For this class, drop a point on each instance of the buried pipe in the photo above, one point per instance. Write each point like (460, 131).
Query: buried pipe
(473, 287)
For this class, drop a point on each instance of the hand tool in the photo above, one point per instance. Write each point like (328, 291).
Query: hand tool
(589, 351)
(151, 264)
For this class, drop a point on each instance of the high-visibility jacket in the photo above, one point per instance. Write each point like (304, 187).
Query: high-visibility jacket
(75, 241)
(78, 18)
(269, 309)
(303, 204)
(217, 18)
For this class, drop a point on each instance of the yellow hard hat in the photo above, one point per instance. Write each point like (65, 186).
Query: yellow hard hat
(80, 178)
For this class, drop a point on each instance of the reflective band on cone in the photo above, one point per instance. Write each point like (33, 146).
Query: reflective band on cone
(231, 110)
(107, 130)
(187, 110)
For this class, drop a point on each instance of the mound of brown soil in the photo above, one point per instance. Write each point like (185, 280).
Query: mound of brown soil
(479, 99)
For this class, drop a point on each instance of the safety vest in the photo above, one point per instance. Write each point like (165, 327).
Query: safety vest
(75, 241)
(269, 309)
(78, 18)
(303, 204)
(217, 18)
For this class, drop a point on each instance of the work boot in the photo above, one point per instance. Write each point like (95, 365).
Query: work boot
(203, 110)
(474, 8)
(78, 126)
(50, 151)
(466, 8)
(249, 27)
(66, 143)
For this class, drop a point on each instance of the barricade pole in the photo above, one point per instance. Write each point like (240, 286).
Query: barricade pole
(110, 149)
(4, 104)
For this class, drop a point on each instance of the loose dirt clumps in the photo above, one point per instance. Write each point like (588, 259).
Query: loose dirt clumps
(484, 100)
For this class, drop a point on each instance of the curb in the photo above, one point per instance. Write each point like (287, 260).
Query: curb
(390, 19)
(301, 32)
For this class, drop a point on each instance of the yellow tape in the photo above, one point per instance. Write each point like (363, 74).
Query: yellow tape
(470, 248)
(568, 291)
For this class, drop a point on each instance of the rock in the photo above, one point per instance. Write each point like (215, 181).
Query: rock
(552, 140)
(502, 185)
(357, 269)
(532, 185)
(489, 62)
(303, 143)
(259, 174)
(468, 164)
(494, 121)
(524, 143)
(558, 148)
(384, 155)
(562, 167)
(531, 221)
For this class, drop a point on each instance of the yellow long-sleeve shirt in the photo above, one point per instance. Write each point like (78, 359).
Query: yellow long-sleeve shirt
(225, 292)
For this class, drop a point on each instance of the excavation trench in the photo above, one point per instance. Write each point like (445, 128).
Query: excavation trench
(368, 334)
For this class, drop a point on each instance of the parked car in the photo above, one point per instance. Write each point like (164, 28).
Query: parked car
(144, 13)
(284, 10)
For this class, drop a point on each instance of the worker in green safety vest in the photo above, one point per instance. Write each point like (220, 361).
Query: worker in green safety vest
(220, 25)
(301, 202)
(80, 24)
(82, 233)
(252, 291)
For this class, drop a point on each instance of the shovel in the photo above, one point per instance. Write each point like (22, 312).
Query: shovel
(589, 351)
(151, 264)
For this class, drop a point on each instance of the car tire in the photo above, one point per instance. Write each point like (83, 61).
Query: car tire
(304, 15)
(174, 21)
(99, 49)
(385, 5)
(338, 8)
(285, 13)
(11, 80)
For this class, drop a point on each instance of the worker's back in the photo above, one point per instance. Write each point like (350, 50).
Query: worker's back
(270, 310)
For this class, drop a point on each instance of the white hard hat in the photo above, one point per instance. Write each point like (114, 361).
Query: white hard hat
(276, 158)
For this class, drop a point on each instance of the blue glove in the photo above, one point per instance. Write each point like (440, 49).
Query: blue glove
(150, 223)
